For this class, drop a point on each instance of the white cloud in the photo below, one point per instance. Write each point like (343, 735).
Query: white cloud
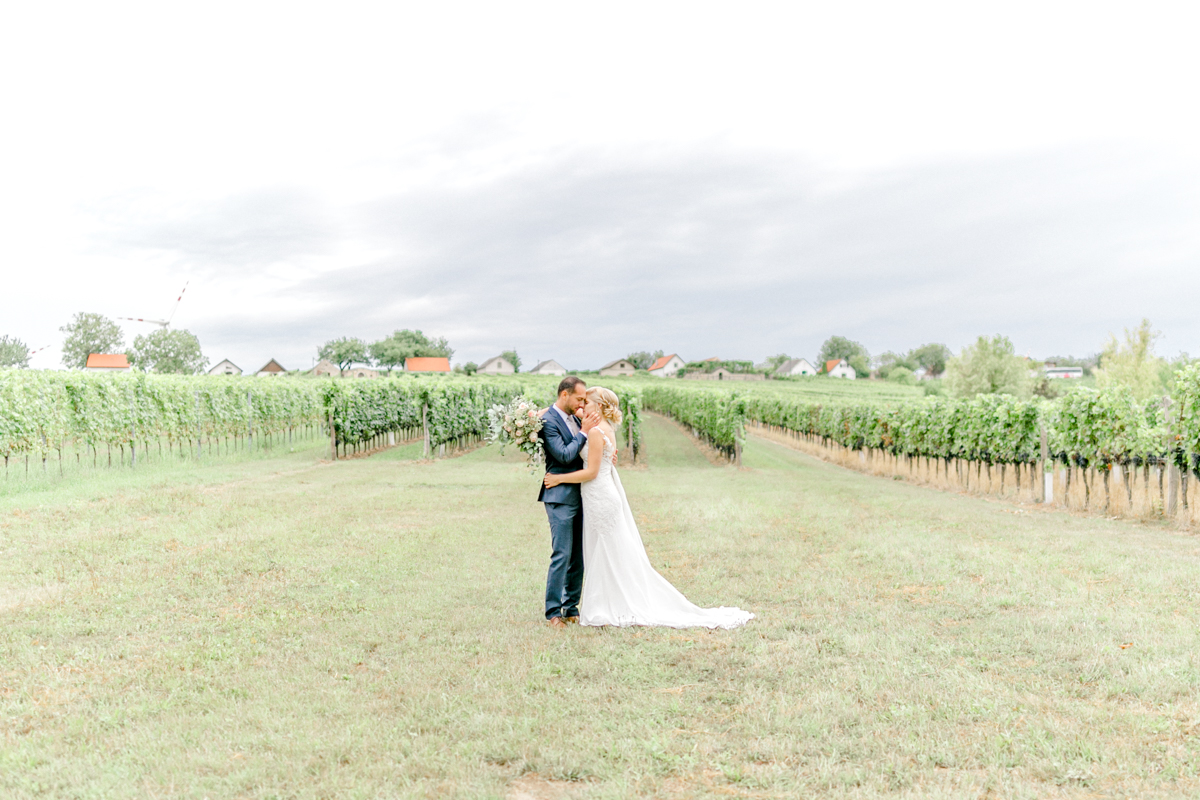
(724, 181)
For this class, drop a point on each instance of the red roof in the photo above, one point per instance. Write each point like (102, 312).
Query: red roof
(426, 364)
(833, 362)
(107, 361)
(662, 362)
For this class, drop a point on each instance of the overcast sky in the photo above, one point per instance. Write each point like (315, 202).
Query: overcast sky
(580, 181)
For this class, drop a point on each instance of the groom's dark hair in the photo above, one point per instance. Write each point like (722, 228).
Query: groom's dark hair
(569, 383)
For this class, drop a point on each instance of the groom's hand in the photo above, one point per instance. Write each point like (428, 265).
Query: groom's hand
(590, 421)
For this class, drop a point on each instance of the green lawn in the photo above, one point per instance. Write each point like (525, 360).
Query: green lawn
(817, 387)
(279, 627)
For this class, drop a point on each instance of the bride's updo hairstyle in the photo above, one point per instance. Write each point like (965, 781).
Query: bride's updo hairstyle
(610, 406)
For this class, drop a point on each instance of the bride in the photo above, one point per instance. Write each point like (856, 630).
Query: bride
(620, 586)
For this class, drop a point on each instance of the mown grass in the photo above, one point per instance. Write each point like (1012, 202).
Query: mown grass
(371, 628)
(816, 387)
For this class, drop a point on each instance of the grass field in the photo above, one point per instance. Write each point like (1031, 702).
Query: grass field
(810, 388)
(279, 627)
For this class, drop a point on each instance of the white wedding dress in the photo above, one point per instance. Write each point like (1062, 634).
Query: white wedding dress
(620, 587)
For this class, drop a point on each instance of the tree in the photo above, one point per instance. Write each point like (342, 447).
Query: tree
(87, 334)
(391, 352)
(932, 357)
(642, 359)
(470, 367)
(13, 352)
(861, 363)
(990, 366)
(839, 347)
(166, 351)
(885, 363)
(344, 352)
(1167, 370)
(512, 358)
(775, 362)
(901, 374)
(1132, 364)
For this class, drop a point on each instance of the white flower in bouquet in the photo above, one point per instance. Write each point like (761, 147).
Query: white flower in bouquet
(518, 423)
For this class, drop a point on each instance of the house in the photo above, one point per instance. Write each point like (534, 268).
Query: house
(666, 366)
(427, 364)
(226, 367)
(496, 366)
(271, 369)
(107, 362)
(620, 367)
(550, 367)
(360, 372)
(839, 368)
(795, 366)
(722, 374)
(1071, 373)
(326, 369)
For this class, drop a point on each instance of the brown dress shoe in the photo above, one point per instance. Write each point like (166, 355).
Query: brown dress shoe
(572, 620)
(557, 622)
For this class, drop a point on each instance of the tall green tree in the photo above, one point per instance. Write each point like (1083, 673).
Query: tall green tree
(990, 366)
(167, 351)
(932, 357)
(87, 334)
(13, 352)
(1132, 363)
(512, 358)
(643, 359)
(392, 351)
(345, 352)
(886, 362)
(774, 362)
(839, 347)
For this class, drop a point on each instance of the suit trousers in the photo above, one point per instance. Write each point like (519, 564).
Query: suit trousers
(564, 580)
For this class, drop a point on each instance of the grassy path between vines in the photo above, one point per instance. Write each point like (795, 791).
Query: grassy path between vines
(281, 628)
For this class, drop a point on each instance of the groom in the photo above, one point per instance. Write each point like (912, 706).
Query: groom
(563, 436)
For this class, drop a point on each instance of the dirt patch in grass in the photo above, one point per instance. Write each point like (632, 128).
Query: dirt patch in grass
(535, 787)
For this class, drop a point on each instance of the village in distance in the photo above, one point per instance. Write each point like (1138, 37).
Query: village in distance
(990, 365)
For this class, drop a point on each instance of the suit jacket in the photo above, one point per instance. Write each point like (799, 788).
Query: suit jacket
(562, 455)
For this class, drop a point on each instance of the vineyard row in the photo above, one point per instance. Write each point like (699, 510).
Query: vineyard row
(1081, 438)
(43, 414)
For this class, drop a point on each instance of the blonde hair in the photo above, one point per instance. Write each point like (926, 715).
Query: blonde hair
(610, 406)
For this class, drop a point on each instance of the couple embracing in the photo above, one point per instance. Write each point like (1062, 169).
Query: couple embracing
(591, 525)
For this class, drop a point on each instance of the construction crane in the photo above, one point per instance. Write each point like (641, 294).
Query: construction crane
(162, 323)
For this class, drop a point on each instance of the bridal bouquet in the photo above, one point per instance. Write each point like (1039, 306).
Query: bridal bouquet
(518, 423)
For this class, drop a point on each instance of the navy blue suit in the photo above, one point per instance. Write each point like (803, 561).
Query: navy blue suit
(564, 508)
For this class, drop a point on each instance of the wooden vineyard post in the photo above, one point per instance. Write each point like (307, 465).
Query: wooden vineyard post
(629, 432)
(1172, 504)
(1047, 476)
(425, 424)
(133, 435)
(198, 452)
(332, 439)
(250, 420)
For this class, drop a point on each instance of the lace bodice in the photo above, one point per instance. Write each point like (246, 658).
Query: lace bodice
(606, 464)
